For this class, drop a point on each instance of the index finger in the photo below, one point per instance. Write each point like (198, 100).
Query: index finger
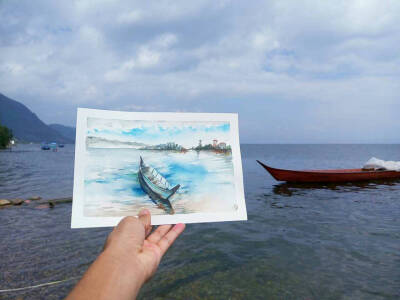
(167, 240)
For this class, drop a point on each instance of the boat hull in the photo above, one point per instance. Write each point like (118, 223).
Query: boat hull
(329, 176)
(156, 187)
(154, 196)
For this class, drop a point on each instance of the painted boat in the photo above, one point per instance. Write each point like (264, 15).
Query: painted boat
(329, 176)
(156, 186)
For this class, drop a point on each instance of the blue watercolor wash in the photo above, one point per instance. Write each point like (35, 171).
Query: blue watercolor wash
(157, 131)
(135, 132)
(187, 169)
(224, 128)
(137, 190)
(101, 181)
(187, 175)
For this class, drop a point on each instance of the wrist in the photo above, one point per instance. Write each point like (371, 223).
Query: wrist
(125, 262)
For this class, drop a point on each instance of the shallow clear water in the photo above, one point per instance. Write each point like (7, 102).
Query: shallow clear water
(301, 242)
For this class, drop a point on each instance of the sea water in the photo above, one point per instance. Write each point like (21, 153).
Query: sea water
(300, 242)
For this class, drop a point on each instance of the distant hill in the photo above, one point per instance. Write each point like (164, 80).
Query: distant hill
(25, 125)
(65, 131)
(98, 142)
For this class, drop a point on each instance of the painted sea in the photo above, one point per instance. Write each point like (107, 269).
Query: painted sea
(112, 188)
(300, 242)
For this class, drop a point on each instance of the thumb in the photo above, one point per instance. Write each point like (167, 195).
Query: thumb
(127, 235)
(145, 219)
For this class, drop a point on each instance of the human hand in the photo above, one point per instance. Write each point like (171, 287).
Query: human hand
(130, 257)
(133, 243)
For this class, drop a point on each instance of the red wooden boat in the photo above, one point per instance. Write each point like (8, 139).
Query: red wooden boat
(326, 176)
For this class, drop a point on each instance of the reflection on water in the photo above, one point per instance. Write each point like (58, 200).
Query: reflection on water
(321, 242)
(289, 189)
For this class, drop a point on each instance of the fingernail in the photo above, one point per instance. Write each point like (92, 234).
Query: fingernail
(144, 212)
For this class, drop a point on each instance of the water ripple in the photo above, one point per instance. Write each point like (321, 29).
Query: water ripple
(300, 242)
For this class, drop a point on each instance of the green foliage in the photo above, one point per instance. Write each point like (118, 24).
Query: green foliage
(5, 137)
(205, 147)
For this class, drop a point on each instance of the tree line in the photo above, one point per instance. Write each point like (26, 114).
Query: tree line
(5, 136)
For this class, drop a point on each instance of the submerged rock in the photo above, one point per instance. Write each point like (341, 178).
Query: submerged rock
(42, 203)
(17, 201)
(61, 200)
(277, 205)
(42, 206)
(4, 202)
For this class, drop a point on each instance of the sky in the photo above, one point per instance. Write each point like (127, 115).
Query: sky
(186, 134)
(295, 71)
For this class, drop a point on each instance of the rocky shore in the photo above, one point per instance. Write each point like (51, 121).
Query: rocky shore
(4, 203)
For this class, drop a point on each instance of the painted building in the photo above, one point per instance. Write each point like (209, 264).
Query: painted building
(221, 145)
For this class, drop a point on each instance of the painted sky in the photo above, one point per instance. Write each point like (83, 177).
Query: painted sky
(295, 71)
(186, 134)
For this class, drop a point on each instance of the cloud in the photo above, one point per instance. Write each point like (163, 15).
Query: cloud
(130, 17)
(336, 62)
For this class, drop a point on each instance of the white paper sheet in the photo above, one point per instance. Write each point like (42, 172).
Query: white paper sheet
(191, 170)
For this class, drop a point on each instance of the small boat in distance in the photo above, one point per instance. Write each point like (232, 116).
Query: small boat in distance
(330, 176)
(45, 146)
(156, 186)
(53, 146)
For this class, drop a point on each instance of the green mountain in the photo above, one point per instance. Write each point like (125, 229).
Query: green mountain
(66, 131)
(25, 125)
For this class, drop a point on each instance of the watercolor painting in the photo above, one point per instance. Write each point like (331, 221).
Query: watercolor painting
(170, 167)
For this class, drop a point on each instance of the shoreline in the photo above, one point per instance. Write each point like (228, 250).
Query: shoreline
(7, 203)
